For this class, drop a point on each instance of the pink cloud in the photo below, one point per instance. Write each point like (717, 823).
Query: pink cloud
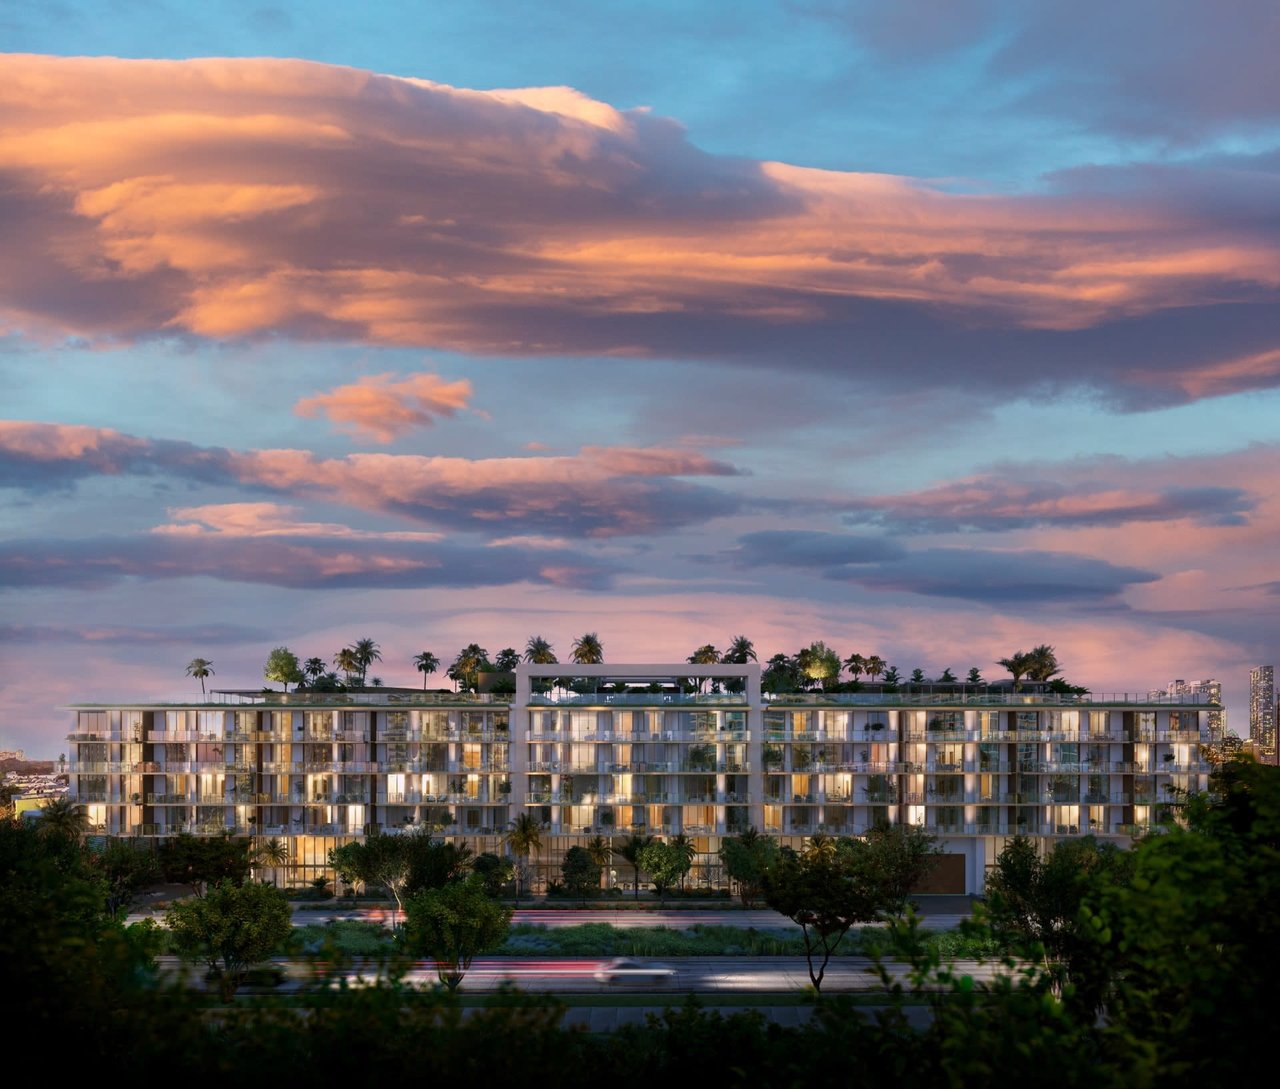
(598, 492)
(236, 198)
(377, 406)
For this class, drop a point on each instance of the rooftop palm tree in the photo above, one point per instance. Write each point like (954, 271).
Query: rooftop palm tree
(313, 669)
(1017, 664)
(507, 660)
(741, 651)
(704, 655)
(587, 649)
(200, 668)
(426, 663)
(874, 665)
(467, 665)
(1042, 663)
(523, 837)
(367, 653)
(975, 676)
(347, 661)
(856, 664)
(538, 651)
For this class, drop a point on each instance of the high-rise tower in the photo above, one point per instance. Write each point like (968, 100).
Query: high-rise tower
(1262, 710)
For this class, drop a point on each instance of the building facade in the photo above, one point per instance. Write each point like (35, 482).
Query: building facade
(1262, 711)
(649, 749)
(1210, 690)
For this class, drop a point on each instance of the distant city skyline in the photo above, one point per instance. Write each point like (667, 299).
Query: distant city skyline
(935, 331)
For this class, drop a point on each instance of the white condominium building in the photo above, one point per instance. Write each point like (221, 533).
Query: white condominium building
(616, 750)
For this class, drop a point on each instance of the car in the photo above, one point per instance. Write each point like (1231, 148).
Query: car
(630, 970)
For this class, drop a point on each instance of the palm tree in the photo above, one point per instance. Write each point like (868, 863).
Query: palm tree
(507, 660)
(874, 665)
(587, 649)
(523, 837)
(313, 669)
(975, 676)
(64, 817)
(704, 655)
(273, 853)
(821, 847)
(1042, 663)
(539, 652)
(367, 652)
(856, 664)
(686, 847)
(947, 677)
(601, 851)
(200, 668)
(1017, 664)
(630, 850)
(741, 651)
(347, 661)
(426, 663)
(467, 665)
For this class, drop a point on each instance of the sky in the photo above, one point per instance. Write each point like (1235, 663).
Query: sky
(936, 329)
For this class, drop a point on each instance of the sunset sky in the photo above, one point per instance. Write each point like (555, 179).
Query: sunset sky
(934, 329)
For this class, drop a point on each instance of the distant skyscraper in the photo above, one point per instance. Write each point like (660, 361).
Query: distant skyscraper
(1208, 690)
(1262, 709)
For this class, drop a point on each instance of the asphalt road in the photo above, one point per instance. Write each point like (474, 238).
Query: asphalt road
(576, 975)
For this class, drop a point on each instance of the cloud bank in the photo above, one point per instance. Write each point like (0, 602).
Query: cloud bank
(245, 198)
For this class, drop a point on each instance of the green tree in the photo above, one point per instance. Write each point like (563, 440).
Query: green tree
(426, 663)
(818, 664)
(282, 665)
(495, 872)
(200, 668)
(313, 669)
(781, 674)
(230, 928)
(200, 861)
(741, 651)
(917, 676)
(523, 837)
(352, 864)
(892, 678)
(875, 665)
(974, 677)
(581, 872)
(366, 652)
(747, 857)
(1033, 905)
(454, 924)
(467, 666)
(856, 664)
(947, 677)
(828, 892)
(665, 864)
(507, 660)
(125, 866)
(630, 850)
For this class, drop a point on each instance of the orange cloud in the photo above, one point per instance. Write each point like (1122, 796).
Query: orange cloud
(377, 406)
(231, 198)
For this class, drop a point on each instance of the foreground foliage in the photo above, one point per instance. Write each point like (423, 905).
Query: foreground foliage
(1181, 954)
